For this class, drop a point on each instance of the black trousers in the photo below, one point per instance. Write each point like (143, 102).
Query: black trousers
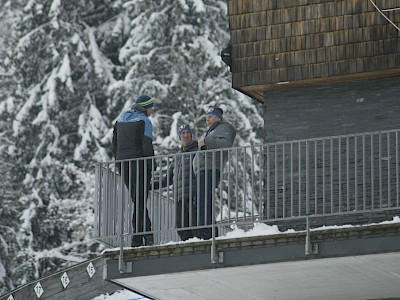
(205, 204)
(135, 175)
(185, 217)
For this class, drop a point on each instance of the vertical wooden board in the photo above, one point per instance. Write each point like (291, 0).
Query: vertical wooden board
(347, 21)
(332, 69)
(360, 49)
(273, 46)
(274, 75)
(249, 50)
(270, 17)
(256, 48)
(353, 7)
(252, 64)
(324, 69)
(240, 6)
(321, 55)
(257, 5)
(252, 37)
(261, 32)
(313, 56)
(290, 73)
(232, 7)
(283, 75)
(339, 23)
(358, 21)
(331, 9)
(240, 36)
(288, 30)
(316, 70)
(300, 13)
(290, 15)
(297, 73)
(242, 22)
(392, 61)
(234, 22)
(261, 62)
(278, 31)
(247, 6)
(298, 57)
(266, 76)
(311, 27)
(297, 29)
(352, 65)
(277, 16)
(391, 46)
(360, 65)
(284, 45)
(264, 47)
(257, 19)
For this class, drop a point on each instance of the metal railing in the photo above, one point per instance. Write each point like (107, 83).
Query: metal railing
(285, 180)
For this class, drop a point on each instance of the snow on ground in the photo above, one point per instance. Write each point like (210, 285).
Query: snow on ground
(121, 295)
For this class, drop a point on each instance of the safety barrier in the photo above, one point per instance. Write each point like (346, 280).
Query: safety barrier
(262, 183)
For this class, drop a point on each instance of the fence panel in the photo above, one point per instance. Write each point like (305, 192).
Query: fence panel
(294, 179)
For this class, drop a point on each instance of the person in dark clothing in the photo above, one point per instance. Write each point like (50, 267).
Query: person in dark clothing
(180, 174)
(133, 139)
(208, 167)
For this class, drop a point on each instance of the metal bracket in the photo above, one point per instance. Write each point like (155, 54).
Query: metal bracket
(217, 259)
(124, 267)
(310, 248)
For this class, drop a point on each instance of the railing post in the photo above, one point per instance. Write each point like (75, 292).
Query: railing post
(310, 249)
(213, 183)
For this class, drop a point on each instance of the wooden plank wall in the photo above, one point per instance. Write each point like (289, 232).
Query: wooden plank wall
(291, 40)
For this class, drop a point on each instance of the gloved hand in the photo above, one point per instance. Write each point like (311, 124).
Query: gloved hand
(155, 185)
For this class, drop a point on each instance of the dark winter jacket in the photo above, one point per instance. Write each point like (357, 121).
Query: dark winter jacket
(180, 174)
(220, 135)
(133, 135)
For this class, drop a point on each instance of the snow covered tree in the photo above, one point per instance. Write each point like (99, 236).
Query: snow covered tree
(52, 124)
(68, 69)
(173, 54)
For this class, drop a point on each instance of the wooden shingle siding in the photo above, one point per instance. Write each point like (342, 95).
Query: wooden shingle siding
(299, 40)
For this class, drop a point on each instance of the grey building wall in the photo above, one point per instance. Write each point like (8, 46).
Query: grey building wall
(332, 109)
(338, 181)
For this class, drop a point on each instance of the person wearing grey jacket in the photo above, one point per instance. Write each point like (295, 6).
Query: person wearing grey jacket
(208, 165)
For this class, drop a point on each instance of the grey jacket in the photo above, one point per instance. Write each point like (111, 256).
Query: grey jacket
(220, 135)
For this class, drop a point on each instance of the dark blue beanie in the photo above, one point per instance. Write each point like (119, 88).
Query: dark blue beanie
(215, 111)
(145, 101)
(182, 129)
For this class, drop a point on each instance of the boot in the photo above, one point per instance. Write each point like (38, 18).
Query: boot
(137, 241)
(148, 240)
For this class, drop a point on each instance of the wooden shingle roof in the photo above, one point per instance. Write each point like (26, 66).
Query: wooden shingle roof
(279, 43)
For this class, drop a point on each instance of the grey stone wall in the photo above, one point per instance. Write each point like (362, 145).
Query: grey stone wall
(332, 109)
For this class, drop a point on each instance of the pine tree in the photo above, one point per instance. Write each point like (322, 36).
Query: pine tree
(173, 54)
(53, 125)
(68, 69)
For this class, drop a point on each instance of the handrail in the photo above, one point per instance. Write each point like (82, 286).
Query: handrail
(328, 176)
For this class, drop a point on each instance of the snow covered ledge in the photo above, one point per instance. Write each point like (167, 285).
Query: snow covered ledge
(262, 244)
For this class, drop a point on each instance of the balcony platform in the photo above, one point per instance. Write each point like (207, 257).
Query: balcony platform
(274, 265)
(373, 276)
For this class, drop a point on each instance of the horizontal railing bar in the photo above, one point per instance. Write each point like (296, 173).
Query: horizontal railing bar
(283, 181)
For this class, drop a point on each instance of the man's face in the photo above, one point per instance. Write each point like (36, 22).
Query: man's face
(150, 111)
(211, 119)
(186, 138)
